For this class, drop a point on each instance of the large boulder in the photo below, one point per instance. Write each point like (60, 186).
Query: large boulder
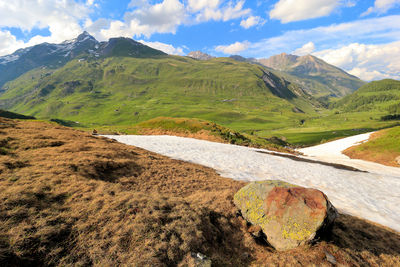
(289, 215)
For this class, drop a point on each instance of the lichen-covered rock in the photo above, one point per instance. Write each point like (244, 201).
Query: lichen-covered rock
(289, 215)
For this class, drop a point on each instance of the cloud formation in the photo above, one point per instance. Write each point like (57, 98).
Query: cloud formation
(306, 49)
(381, 6)
(368, 62)
(233, 48)
(374, 30)
(8, 43)
(289, 10)
(146, 19)
(166, 48)
(206, 10)
(251, 21)
(62, 18)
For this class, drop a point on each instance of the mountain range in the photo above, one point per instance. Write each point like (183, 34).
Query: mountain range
(56, 55)
(123, 82)
(312, 74)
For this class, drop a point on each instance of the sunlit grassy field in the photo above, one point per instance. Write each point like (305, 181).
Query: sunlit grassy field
(383, 147)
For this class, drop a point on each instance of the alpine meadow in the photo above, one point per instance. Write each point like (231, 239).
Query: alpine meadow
(199, 133)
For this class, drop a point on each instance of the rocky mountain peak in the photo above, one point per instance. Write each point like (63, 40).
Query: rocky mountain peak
(199, 55)
(85, 36)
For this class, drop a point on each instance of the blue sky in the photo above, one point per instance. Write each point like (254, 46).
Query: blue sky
(360, 36)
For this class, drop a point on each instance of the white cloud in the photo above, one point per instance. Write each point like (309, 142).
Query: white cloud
(232, 11)
(166, 48)
(60, 17)
(144, 20)
(197, 5)
(295, 10)
(306, 49)
(369, 62)
(8, 43)
(375, 30)
(381, 6)
(252, 21)
(233, 48)
(218, 12)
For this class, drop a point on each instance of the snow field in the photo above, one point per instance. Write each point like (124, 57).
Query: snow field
(374, 196)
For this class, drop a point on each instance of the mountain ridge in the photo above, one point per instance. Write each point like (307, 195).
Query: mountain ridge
(315, 75)
(56, 55)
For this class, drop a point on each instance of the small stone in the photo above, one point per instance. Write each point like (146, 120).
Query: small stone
(330, 258)
(398, 160)
(199, 260)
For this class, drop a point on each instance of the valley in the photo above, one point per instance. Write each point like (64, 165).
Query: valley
(115, 90)
(115, 153)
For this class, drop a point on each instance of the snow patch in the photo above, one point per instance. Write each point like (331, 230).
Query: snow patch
(373, 196)
(332, 152)
(9, 58)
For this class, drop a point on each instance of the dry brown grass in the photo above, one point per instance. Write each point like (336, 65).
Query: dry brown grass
(201, 135)
(68, 198)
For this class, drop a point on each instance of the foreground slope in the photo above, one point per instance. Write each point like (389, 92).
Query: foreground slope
(126, 90)
(315, 75)
(68, 198)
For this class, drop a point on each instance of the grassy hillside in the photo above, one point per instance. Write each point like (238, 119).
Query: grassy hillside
(378, 96)
(382, 147)
(365, 110)
(72, 199)
(125, 91)
(120, 92)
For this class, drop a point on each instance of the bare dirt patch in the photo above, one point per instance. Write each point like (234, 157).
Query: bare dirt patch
(92, 201)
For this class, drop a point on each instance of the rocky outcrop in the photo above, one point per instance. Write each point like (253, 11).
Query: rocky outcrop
(288, 215)
(199, 55)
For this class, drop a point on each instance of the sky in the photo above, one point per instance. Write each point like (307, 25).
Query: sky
(359, 36)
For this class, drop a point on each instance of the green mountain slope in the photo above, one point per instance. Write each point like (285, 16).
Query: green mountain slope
(123, 90)
(377, 96)
(313, 74)
(57, 55)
